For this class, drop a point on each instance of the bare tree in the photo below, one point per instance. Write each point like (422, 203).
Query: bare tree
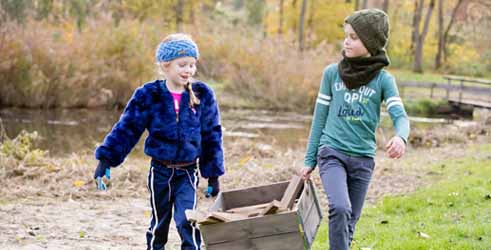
(419, 36)
(301, 26)
(449, 27)
(280, 22)
(192, 18)
(385, 6)
(310, 20)
(179, 9)
(438, 58)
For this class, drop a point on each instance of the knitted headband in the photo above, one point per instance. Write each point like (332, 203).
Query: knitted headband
(170, 50)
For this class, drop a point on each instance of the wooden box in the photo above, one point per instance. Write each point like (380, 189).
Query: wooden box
(289, 230)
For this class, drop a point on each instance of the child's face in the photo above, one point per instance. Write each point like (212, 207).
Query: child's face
(180, 70)
(352, 45)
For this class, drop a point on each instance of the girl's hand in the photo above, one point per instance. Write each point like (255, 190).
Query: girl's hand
(395, 148)
(305, 172)
(102, 170)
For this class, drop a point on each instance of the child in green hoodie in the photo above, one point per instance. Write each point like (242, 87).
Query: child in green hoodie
(347, 113)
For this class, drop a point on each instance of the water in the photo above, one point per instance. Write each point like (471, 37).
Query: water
(80, 131)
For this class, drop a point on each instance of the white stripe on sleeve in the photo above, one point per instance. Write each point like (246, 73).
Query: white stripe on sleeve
(394, 98)
(322, 102)
(394, 103)
(325, 97)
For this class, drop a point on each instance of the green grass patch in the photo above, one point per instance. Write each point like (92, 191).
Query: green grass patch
(423, 107)
(454, 213)
(402, 75)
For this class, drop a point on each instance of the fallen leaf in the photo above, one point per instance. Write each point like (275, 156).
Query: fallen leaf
(423, 235)
(147, 214)
(244, 160)
(78, 183)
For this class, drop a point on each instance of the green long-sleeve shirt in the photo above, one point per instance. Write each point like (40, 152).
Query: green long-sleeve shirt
(346, 120)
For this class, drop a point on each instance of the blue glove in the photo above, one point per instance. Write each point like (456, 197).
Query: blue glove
(213, 187)
(103, 169)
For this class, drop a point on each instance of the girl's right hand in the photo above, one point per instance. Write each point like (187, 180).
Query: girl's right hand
(305, 172)
(103, 169)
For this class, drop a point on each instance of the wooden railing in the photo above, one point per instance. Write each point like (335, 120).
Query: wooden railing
(462, 81)
(478, 90)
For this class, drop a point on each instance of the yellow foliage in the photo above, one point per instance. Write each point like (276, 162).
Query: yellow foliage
(327, 18)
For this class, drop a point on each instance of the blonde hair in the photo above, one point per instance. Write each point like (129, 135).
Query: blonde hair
(193, 100)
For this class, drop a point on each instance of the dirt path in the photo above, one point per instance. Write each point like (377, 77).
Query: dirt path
(120, 219)
(83, 225)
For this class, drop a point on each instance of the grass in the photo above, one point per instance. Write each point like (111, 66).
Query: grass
(403, 75)
(454, 213)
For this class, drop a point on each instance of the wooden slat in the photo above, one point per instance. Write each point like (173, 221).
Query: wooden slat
(271, 208)
(287, 241)
(200, 217)
(467, 79)
(474, 103)
(250, 228)
(291, 193)
(219, 204)
(226, 217)
(310, 213)
(248, 209)
(468, 89)
(253, 196)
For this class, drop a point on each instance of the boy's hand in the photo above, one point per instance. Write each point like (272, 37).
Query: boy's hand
(305, 172)
(213, 187)
(395, 148)
(103, 169)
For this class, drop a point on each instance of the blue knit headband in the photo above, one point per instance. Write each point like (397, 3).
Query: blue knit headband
(168, 51)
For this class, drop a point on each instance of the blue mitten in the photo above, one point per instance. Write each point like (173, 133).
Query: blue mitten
(213, 187)
(103, 169)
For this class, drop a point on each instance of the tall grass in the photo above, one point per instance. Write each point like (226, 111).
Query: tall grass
(270, 71)
(47, 65)
(57, 66)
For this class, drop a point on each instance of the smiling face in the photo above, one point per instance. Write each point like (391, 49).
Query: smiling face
(178, 72)
(352, 45)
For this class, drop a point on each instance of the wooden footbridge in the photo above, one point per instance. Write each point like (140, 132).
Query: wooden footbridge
(458, 91)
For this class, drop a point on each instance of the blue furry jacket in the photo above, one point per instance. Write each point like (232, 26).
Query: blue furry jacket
(196, 134)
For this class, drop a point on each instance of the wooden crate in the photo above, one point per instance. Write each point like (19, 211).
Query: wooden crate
(290, 230)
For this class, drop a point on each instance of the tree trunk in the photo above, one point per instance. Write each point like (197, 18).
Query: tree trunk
(280, 22)
(179, 14)
(192, 18)
(418, 53)
(447, 30)
(385, 7)
(310, 20)
(365, 4)
(301, 26)
(357, 5)
(438, 58)
(418, 10)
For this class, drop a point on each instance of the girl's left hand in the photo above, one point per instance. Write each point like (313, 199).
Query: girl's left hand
(395, 148)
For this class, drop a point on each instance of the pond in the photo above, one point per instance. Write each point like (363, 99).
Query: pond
(79, 131)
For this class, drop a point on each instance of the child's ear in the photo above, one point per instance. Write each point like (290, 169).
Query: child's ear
(164, 65)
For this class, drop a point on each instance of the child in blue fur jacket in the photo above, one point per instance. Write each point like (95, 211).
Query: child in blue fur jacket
(184, 132)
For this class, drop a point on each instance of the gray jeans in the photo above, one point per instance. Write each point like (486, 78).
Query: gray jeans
(345, 180)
